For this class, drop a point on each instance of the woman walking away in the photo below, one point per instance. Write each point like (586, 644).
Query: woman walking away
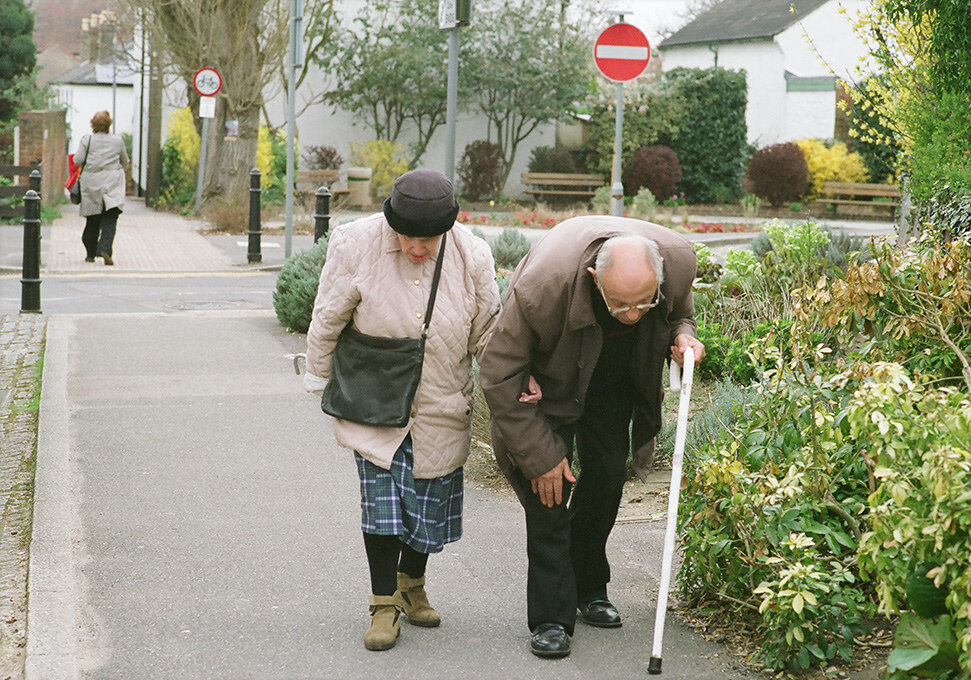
(380, 280)
(103, 159)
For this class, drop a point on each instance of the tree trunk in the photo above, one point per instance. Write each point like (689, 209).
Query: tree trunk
(229, 161)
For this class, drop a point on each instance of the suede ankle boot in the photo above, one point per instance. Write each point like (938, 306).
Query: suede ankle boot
(385, 622)
(414, 601)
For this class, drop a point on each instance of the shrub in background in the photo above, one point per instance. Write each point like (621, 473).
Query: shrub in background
(708, 268)
(322, 158)
(296, 287)
(876, 142)
(180, 159)
(509, 248)
(711, 423)
(601, 200)
(655, 167)
(644, 204)
(652, 111)
(778, 173)
(479, 170)
(947, 211)
(711, 141)
(386, 160)
(551, 159)
(831, 163)
(271, 159)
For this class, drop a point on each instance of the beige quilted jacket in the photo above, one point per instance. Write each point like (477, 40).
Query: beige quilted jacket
(368, 279)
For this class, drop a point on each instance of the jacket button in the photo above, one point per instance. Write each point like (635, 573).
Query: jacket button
(580, 364)
(577, 400)
(417, 315)
(417, 282)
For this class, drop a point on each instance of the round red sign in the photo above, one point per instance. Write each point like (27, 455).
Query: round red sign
(621, 52)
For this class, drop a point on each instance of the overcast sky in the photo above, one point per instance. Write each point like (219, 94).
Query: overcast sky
(654, 17)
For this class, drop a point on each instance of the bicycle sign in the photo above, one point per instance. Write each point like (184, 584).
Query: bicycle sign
(207, 81)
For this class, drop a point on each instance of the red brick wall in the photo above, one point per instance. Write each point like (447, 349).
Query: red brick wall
(43, 139)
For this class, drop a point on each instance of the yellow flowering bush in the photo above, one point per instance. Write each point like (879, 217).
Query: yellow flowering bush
(180, 158)
(831, 163)
(386, 160)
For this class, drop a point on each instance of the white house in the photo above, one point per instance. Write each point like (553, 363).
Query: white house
(791, 51)
(97, 86)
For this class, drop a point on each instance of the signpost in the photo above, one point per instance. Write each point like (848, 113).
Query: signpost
(621, 53)
(451, 15)
(207, 82)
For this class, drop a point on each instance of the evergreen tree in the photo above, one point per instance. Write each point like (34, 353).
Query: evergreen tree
(17, 52)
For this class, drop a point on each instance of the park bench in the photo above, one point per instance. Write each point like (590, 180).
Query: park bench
(561, 184)
(308, 181)
(878, 196)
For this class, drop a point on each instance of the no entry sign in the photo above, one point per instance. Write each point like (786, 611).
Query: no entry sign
(621, 52)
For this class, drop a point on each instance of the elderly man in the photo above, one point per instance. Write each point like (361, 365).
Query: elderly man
(577, 355)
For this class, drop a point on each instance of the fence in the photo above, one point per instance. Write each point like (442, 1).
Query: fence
(11, 195)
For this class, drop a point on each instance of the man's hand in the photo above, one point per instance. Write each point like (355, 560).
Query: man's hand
(549, 485)
(534, 394)
(683, 342)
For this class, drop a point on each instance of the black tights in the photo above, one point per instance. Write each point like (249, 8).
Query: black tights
(387, 555)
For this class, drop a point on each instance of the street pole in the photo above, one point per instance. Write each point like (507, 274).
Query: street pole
(451, 101)
(202, 163)
(295, 61)
(617, 185)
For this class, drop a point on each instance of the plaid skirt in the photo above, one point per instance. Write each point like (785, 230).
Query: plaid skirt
(425, 513)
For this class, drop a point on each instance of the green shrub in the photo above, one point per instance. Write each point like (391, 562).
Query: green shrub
(724, 195)
(601, 200)
(711, 423)
(711, 139)
(708, 268)
(726, 357)
(873, 139)
(509, 248)
(947, 211)
(296, 287)
(644, 203)
(551, 159)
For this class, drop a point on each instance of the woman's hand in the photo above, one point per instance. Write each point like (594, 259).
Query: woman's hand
(534, 394)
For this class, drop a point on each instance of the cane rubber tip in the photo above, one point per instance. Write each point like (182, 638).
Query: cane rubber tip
(654, 666)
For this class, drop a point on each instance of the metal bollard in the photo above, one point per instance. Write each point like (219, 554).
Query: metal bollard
(322, 213)
(253, 254)
(30, 282)
(35, 180)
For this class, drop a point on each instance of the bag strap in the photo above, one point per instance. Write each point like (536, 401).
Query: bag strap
(431, 297)
(87, 151)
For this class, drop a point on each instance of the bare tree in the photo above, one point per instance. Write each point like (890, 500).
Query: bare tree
(246, 41)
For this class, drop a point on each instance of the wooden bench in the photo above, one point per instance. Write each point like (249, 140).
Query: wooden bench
(836, 194)
(561, 184)
(308, 181)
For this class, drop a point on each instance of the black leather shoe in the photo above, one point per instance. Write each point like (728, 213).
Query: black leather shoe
(599, 613)
(550, 641)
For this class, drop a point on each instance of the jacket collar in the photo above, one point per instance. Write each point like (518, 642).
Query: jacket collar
(391, 244)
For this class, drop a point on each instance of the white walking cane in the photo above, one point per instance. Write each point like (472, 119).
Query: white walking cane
(682, 383)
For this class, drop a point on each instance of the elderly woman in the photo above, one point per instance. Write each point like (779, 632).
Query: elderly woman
(103, 159)
(378, 275)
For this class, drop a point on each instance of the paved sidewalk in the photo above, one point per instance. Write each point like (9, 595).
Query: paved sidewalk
(146, 241)
(195, 520)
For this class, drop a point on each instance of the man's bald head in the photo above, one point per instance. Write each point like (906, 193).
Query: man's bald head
(629, 263)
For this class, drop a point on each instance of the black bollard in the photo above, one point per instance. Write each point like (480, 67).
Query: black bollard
(30, 282)
(322, 213)
(35, 180)
(253, 254)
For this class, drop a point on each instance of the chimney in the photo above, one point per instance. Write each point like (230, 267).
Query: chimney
(85, 40)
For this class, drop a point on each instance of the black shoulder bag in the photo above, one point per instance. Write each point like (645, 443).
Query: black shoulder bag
(373, 380)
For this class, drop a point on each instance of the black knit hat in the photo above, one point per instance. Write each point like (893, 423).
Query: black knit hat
(421, 205)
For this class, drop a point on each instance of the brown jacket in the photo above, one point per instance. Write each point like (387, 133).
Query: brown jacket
(547, 328)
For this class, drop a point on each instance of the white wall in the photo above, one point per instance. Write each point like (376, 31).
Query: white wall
(764, 77)
(809, 114)
(83, 101)
(823, 42)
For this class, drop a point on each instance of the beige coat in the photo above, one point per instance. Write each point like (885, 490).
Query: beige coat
(103, 159)
(368, 279)
(547, 329)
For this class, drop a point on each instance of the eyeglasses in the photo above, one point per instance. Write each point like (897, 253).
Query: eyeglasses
(614, 311)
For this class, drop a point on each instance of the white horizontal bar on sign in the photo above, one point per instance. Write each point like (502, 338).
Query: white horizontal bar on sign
(621, 52)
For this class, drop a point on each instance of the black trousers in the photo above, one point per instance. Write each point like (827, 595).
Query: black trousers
(567, 544)
(99, 233)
